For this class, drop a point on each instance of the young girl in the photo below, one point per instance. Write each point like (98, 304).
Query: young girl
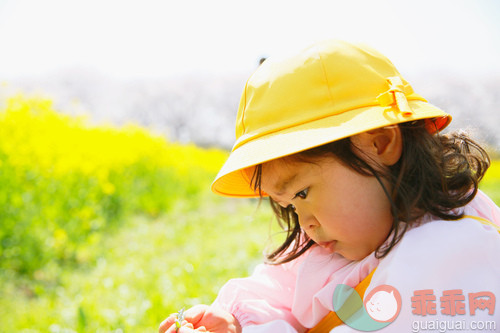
(369, 193)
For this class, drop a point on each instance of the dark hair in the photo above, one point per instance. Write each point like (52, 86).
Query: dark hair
(435, 174)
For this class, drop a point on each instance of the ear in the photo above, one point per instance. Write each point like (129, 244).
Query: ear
(384, 145)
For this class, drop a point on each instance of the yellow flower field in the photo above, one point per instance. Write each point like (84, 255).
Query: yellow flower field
(64, 181)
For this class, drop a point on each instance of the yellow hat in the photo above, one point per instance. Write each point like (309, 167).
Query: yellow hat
(324, 93)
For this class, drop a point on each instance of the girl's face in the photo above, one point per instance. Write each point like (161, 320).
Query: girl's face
(339, 209)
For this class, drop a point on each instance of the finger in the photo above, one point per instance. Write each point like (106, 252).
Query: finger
(186, 329)
(185, 325)
(194, 314)
(167, 323)
(172, 329)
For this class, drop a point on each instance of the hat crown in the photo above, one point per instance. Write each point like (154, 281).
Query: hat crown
(325, 79)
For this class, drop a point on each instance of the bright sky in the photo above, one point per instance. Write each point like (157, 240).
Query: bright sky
(156, 38)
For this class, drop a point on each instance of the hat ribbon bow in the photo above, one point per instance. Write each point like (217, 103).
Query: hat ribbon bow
(397, 95)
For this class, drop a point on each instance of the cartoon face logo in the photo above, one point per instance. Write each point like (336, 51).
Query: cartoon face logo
(379, 309)
(383, 303)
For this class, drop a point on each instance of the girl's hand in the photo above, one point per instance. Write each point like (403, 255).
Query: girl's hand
(202, 318)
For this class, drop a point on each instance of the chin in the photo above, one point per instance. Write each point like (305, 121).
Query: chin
(354, 256)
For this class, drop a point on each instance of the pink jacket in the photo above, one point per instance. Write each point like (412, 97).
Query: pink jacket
(436, 254)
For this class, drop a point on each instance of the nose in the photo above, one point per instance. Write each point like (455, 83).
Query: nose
(307, 220)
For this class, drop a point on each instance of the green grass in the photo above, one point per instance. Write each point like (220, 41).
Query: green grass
(149, 269)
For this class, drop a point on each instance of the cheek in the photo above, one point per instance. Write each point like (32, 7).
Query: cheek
(361, 201)
(371, 198)
(362, 211)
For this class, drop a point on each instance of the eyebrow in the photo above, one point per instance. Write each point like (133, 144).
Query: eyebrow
(283, 185)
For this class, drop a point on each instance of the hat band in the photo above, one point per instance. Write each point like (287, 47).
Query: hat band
(387, 101)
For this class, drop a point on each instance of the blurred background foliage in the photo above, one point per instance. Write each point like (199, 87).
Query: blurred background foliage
(65, 183)
(106, 228)
(110, 229)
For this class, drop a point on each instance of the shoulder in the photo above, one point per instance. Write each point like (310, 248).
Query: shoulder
(457, 242)
(439, 257)
(441, 252)
(443, 234)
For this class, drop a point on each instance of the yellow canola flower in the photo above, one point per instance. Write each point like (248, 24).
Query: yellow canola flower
(60, 238)
(35, 135)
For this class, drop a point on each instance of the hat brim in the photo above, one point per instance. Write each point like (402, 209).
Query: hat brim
(233, 181)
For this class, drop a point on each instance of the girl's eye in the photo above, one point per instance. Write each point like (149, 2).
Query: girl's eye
(302, 194)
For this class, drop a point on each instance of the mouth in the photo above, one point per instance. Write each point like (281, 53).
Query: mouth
(328, 245)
